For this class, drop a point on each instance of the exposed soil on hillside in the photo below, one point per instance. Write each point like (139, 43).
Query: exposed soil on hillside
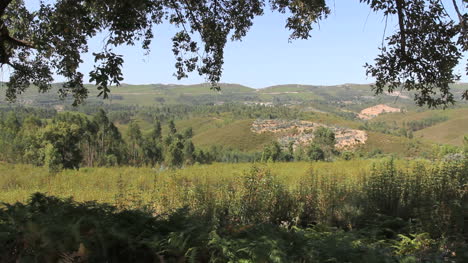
(301, 133)
(374, 111)
(397, 94)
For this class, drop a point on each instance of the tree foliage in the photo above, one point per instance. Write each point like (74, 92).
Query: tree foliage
(37, 44)
(73, 140)
(323, 145)
(423, 53)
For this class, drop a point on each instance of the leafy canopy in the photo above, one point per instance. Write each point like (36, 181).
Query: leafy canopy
(421, 55)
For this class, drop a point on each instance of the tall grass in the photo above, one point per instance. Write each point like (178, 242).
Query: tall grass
(18, 182)
(432, 196)
(233, 203)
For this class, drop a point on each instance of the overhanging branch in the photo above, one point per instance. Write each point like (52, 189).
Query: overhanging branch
(462, 21)
(400, 5)
(6, 37)
(3, 5)
(194, 19)
(12, 65)
(19, 42)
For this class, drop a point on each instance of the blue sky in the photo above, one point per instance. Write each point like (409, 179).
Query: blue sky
(335, 54)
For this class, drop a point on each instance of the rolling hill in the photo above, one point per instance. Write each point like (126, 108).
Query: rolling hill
(330, 105)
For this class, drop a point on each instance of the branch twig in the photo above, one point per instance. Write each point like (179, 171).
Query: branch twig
(19, 42)
(400, 5)
(462, 20)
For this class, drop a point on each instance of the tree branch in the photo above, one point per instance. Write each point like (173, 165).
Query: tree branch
(11, 65)
(6, 37)
(461, 18)
(400, 5)
(19, 42)
(3, 5)
(194, 19)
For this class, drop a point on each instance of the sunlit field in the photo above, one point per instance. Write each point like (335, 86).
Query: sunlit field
(336, 193)
(347, 211)
(18, 182)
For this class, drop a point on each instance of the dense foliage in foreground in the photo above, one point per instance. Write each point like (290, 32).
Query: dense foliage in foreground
(49, 229)
(337, 212)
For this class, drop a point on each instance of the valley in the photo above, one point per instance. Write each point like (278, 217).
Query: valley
(319, 165)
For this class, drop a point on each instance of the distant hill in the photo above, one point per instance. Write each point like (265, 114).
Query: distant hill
(337, 105)
(354, 96)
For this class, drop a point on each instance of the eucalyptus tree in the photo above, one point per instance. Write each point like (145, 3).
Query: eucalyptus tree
(109, 147)
(420, 55)
(135, 138)
(172, 128)
(324, 139)
(152, 146)
(61, 142)
(156, 132)
(189, 152)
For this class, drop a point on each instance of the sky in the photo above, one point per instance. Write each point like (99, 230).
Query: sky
(335, 53)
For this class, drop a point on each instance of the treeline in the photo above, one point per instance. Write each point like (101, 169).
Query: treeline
(417, 125)
(406, 129)
(72, 140)
(391, 128)
(124, 114)
(21, 112)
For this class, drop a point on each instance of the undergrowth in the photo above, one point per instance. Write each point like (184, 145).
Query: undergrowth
(388, 212)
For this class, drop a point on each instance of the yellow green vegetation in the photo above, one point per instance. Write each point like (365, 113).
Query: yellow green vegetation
(347, 211)
(448, 131)
(171, 189)
(18, 182)
(395, 144)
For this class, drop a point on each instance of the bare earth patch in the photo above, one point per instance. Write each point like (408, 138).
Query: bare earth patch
(301, 133)
(374, 111)
(59, 108)
(397, 94)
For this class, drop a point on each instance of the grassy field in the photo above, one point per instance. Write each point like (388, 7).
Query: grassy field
(347, 211)
(449, 132)
(400, 146)
(340, 191)
(18, 182)
(236, 135)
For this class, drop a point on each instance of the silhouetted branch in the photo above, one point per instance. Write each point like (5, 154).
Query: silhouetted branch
(400, 5)
(3, 5)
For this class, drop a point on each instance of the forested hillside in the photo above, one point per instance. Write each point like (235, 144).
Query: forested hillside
(222, 122)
